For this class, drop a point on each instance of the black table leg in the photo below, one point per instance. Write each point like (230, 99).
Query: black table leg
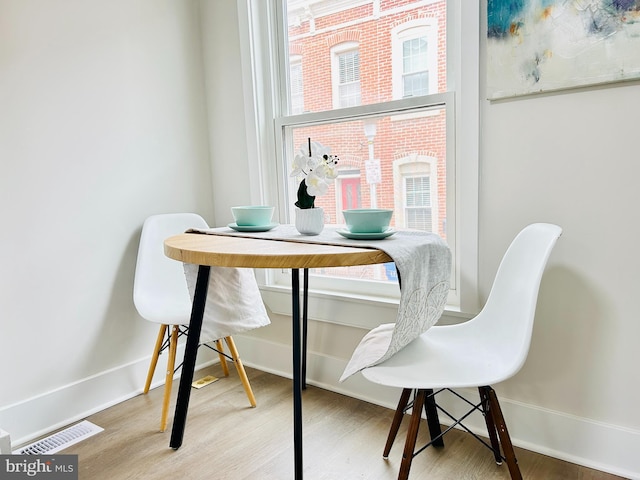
(191, 351)
(297, 374)
(305, 309)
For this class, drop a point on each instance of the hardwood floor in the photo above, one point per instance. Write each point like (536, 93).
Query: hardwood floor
(227, 440)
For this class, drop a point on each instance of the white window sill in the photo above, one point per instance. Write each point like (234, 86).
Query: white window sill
(360, 311)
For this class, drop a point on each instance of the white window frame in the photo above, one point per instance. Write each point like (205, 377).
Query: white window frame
(259, 48)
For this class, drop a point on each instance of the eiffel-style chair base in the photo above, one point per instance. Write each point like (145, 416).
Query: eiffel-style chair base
(171, 343)
(425, 399)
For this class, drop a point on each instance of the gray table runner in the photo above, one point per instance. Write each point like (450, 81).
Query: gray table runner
(423, 261)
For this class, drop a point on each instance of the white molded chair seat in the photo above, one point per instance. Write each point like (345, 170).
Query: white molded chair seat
(483, 351)
(161, 295)
(454, 356)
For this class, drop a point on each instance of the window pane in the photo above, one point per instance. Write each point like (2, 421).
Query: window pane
(349, 79)
(297, 94)
(408, 150)
(415, 76)
(419, 218)
(418, 192)
(349, 65)
(349, 94)
(389, 56)
(388, 63)
(418, 203)
(415, 84)
(414, 55)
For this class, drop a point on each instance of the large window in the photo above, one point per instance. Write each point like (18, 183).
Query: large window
(345, 42)
(376, 90)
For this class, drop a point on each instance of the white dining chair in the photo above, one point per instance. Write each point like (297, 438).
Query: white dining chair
(489, 348)
(161, 295)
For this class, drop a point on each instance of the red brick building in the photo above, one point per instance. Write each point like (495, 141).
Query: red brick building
(349, 53)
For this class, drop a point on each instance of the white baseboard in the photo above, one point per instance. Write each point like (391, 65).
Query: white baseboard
(596, 445)
(40, 415)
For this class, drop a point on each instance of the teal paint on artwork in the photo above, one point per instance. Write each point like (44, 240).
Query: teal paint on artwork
(502, 15)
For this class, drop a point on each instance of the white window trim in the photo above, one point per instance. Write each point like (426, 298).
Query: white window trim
(257, 50)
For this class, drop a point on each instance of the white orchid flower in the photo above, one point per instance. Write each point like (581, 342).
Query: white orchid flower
(300, 164)
(327, 170)
(315, 163)
(316, 185)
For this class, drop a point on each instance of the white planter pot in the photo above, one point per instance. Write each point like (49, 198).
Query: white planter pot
(309, 221)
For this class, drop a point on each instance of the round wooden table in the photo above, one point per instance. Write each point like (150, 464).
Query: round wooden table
(233, 251)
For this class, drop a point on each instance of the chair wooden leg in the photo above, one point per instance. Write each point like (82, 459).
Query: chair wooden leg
(503, 433)
(412, 435)
(431, 412)
(154, 357)
(171, 363)
(397, 420)
(241, 372)
(223, 359)
(491, 424)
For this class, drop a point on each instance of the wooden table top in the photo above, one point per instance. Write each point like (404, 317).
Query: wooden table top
(228, 251)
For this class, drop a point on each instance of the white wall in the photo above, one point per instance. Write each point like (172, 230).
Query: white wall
(571, 159)
(226, 106)
(102, 123)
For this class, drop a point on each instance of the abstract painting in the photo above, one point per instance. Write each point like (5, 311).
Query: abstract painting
(544, 45)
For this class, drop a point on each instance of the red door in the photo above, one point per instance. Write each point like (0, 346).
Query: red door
(350, 193)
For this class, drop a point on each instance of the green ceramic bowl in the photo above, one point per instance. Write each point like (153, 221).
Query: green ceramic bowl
(252, 215)
(367, 220)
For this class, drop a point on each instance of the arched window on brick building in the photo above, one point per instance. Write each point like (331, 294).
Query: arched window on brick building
(345, 74)
(414, 54)
(416, 199)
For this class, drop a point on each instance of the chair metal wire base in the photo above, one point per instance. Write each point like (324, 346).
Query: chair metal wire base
(183, 331)
(488, 406)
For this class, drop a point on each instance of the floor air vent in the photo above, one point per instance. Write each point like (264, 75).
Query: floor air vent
(60, 440)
